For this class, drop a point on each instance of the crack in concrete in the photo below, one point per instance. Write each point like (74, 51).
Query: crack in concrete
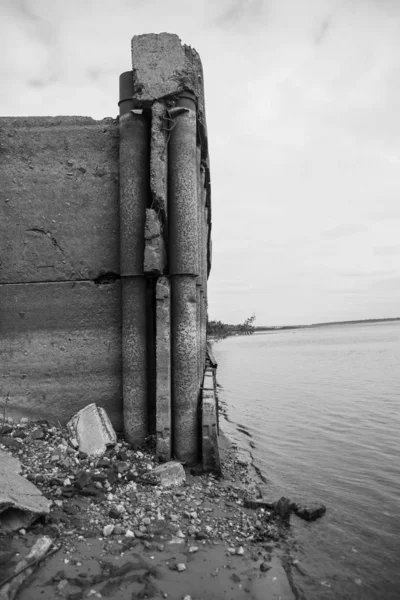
(53, 240)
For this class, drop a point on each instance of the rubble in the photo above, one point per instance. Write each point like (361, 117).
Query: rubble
(310, 511)
(92, 430)
(20, 501)
(170, 474)
(126, 501)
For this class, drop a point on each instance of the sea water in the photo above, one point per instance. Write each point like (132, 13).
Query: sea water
(321, 408)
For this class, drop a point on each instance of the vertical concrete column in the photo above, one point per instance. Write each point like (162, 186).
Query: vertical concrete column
(203, 268)
(183, 235)
(199, 258)
(184, 269)
(203, 331)
(163, 369)
(185, 386)
(134, 184)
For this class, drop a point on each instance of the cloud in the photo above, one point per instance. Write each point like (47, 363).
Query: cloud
(239, 13)
(391, 250)
(322, 31)
(344, 230)
(302, 109)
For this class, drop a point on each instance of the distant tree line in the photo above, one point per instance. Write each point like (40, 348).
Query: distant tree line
(220, 330)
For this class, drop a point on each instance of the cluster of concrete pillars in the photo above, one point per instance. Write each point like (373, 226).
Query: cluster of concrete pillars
(164, 241)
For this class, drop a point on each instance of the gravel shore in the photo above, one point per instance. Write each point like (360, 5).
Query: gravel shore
(118, 533)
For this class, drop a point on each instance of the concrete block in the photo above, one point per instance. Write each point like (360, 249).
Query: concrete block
(92, 429)
(170, 474)
(59, 189)
(60, 349)
(21, 502)
(209, 379)
(210, 450)
(155, 256)
(164, 67)
(163, 369)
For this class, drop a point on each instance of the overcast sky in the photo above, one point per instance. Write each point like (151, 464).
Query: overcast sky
(303, 110)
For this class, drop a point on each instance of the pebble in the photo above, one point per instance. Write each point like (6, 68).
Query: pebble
(114, 512)
(264, 567)
(193, 549)
(107, 530)
(62, 584)
(240, 551)
(129, 534)
(181, 567)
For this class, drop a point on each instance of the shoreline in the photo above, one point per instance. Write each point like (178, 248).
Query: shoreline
(196, 540)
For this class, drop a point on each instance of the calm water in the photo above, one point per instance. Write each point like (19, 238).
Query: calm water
(323, 409)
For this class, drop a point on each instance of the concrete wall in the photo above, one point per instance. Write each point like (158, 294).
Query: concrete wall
(105, 251)
(60, 326)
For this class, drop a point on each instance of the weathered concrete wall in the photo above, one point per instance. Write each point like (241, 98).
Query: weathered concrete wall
(59, 206)
(105, 250)
(60, 333)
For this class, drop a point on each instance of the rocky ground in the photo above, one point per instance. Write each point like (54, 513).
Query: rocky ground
(119, 533)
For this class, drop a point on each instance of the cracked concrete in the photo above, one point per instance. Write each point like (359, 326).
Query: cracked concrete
(20, 501)
(59, 220)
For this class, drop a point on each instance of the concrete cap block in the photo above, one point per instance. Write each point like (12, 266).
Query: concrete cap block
(163, 66)
(92, 428)
(20, 501)
(171, 474)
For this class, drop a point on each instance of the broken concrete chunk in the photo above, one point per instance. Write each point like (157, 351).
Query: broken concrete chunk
(21, 502)
(310, 511)
(155, 256)
(92, 429)
(283, 507)
(256, 504)
(170, 474)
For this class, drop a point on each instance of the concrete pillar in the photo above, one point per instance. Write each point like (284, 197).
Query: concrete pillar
(134, 185)
(134, 363)
(163, 370)
(198, 331)
(184, 269)
(203, 332)
(183, 234)
(199, 258)
(185, 385)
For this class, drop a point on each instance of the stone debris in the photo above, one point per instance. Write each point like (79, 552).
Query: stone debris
(170, 474)
(21, 502)
(310, 511)
(92, 430)
(108, 530)
(283, 507)
(120, 501)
